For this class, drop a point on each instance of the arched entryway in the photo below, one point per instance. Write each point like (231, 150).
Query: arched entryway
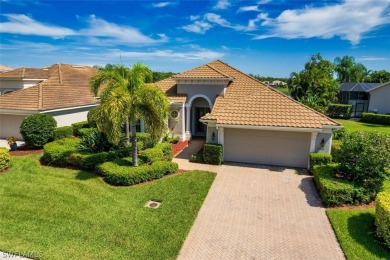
(197, 107)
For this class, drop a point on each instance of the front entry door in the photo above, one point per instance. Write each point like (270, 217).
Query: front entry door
(200, 128)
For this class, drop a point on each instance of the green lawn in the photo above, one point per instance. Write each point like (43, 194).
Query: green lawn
(352, 126)
(73, 214)
(283, 90)
(355, 230)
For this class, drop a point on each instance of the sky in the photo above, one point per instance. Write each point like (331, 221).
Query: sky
(264, 37)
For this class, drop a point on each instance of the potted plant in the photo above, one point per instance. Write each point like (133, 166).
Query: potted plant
(12, 143)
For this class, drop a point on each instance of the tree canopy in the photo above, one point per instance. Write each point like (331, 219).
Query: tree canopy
(348, 70)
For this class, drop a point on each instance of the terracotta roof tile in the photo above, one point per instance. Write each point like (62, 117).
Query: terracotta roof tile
(65, 86)
(170, 88)
(204, 71)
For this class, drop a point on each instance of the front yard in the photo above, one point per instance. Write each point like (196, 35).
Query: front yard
(353, 126)
(73, 214)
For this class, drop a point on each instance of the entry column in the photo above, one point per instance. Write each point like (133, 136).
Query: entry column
(188, 122)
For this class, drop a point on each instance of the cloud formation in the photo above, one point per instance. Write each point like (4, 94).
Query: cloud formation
(162, 4)
(222, 4)
(349, 20)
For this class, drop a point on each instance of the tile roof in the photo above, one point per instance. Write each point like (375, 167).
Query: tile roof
(247, 101)
(170, 88)
(4, 68)
(65, 86)
(357, 87)
(26, 73)
(206, 71)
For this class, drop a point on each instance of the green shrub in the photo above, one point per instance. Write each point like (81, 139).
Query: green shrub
(86, 131)
(91, 160)
(339, 111)
(37, 130)
(94, 141)
(126, 175)
(91, 117)
(335, 149)
(363, 158)
(166, 149)
(152, 155)
(197, 158)
(58, 152)
(339, 134)
(63, 132)
(319, 159)
(382, 216)
(5, 159)
(146, 139)
(77, 126)
(337, 191)
(212, 153)
(375, 118)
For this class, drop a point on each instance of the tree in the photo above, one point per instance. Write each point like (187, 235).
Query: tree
(125, 99)
(348, 70)
(315, 83)
(378, 76)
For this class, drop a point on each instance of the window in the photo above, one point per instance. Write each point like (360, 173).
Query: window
(174, 114)
(138, 126)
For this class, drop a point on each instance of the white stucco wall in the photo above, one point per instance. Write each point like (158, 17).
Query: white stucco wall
(380, 100)
(69, 117)
(326, 148)
(10, 125)
(211, 91)
(175, 126)
(12, 85)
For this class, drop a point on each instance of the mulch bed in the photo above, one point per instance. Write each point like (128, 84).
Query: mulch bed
(177, 148)
(23, 150)
(354, 207)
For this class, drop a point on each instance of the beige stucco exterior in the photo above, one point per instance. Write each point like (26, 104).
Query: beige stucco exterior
(380, 99)
(9, 126)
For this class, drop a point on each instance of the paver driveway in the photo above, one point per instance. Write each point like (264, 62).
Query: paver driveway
(260, 213)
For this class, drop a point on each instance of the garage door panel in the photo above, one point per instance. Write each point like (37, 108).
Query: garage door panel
(267, 147)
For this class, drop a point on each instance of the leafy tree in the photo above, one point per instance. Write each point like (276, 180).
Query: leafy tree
(378, 76)
(125, 99)
(157, 75)
(348, 70)
(315, 83)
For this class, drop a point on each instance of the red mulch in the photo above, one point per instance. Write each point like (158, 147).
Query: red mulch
(22, 150)
(177, 148)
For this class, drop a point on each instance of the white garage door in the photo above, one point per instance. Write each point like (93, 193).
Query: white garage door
(267, 147)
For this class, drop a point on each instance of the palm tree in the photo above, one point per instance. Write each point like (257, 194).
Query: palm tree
(125, 99)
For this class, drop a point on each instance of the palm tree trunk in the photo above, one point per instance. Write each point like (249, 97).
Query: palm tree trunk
(134, 149)
(127, 131)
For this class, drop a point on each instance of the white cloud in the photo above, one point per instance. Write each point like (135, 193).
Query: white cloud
(161, 4)
(194, 17)
(369, 58)
(197, 27)
(106, 32)
(349, 20)
(203, 54)
(249, 8)
(22, 24)
(222, 4)
(262, 2)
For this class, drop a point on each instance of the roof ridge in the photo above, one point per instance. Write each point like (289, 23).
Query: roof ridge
(217, 70)
(59, 73)
(40, 96)
(23, 72)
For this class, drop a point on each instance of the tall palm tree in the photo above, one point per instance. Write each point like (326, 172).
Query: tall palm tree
(125, 99)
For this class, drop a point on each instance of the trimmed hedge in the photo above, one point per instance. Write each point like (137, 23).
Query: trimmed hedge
(86, 131)
(146, 139)
(375, 118)
(37, 130)
(336, 191)
(63, 132)
(212, 153)
(5, 159)
(339, 111)
(197, 158)
(335, 149)
(382, 216)
(166, 148)
(161, 152)
(58, 152)
(127, 175)
(340, 134)
(91, 117)
(319, 159)
(77, 126)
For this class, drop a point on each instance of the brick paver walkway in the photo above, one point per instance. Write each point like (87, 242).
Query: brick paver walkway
(260, 213)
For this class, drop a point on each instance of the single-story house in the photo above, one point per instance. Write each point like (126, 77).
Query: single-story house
(60, 90)
(365, 97)
(254, 122)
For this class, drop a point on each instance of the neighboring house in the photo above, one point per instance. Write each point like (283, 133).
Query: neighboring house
(4, 68)
(60, 90)
(365, 97)
(254, 123)
(277, 83)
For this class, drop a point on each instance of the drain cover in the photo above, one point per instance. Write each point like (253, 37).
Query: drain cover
(152, 204)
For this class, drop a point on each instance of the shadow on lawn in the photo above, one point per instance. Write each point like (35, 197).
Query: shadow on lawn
(84, 175)
(362, 229)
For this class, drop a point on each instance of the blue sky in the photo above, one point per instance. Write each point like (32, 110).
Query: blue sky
(266, 37)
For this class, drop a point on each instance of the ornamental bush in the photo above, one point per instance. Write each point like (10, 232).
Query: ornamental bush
(382, 216)
(146, 139)
(63, 132)
(127, 175)
(339, 111)
(79, 125)
(212, 153)
(375, 118)
(152, 155)
(94, 141)
(319, 159)
(166, 148)
(337, 191)
(58, 152)
(5, 159)
(37, 130)
(363, 158)
(91, 117)
(335, 149)
(339, 134)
